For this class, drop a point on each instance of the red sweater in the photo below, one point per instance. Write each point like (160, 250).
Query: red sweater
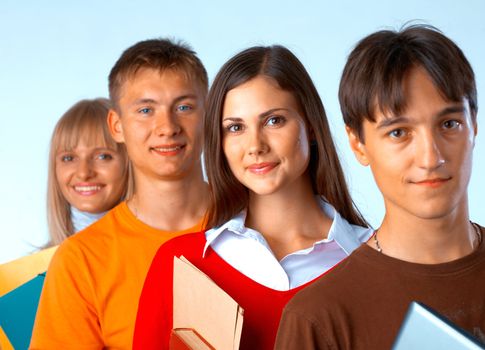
(262, 305)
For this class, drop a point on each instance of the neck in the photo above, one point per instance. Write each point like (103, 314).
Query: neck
(427, 241)
(170, 205)
(289, 220)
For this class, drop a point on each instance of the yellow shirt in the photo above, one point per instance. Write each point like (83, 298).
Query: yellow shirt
(93, 284)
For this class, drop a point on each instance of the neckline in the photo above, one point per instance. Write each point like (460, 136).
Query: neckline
(454, 266)
(124, 214)
(218, 260)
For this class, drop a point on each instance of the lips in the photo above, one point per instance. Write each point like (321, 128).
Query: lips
(168, 150)
(87, 189)
(433, 182)
(262, 168)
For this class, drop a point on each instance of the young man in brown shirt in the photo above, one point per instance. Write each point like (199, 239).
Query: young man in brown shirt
(409, 103)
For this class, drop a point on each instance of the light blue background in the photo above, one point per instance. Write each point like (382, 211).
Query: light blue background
(53, 53)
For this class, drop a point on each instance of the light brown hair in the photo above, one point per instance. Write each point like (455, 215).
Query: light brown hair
(159, 54)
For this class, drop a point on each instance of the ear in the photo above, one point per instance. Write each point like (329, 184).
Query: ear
(357, 146)
(115, 127)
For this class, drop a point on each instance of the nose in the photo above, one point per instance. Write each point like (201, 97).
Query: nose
(257, 145)
(167, 124)
(85, 169)
(429, 152)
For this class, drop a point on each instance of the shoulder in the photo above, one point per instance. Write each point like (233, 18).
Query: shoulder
(105, 228)
(335, 287)
(91, 244)
(188, 245)
(99, 238)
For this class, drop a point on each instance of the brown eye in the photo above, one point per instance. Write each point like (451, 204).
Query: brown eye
(451, 124)
(234, 128)
(274, 121)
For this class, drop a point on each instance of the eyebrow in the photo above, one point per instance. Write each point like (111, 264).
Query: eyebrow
(142, 101)
(261, 116)
(401, 119)
(97, 149)
(451, 110)
(391, 121)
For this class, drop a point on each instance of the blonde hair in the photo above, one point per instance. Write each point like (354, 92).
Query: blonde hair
(86, 119)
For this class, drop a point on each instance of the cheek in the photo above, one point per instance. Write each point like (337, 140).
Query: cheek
(464, 162)
(62, 174)
(114, 171)
(299, 144)
(232, 150)
(388, 172)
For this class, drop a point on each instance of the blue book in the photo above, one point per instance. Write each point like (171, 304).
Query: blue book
(425, 329)
(18, 309)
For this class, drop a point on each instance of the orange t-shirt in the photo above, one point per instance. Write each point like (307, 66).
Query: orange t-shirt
(93, 284)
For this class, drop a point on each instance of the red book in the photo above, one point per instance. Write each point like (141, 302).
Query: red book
(188, 339)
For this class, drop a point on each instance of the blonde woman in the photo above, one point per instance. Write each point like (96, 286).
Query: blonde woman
(88, 175)
(88, 170)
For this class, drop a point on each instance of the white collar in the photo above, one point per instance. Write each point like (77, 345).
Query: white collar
(82, 219)
(338, 231)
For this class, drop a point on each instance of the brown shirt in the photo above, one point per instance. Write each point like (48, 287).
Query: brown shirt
(362, 302)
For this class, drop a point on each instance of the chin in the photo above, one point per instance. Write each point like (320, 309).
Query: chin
(263, 191)
(90, 209)
(434, 212)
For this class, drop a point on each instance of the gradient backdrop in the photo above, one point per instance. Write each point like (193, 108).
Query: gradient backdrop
(53, 53)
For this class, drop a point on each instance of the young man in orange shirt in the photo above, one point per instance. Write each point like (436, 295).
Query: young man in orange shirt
(410, 105)
(93, 284)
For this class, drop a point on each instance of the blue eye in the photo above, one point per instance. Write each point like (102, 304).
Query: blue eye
(397, 133)
(67, 158)
(105, 156)
(451, 124)
(184, 108)
(145, 110)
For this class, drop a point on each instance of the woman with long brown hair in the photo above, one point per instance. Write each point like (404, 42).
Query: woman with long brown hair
(281, 212)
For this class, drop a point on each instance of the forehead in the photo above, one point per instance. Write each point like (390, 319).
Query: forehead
(258, 95)
(87, 137)
(420, 100)
(165, 82)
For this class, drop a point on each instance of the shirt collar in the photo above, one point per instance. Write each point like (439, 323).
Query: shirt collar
(340, 231)
(82, 219)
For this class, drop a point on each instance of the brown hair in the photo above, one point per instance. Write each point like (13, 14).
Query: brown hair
(86, 119)
(160, 54)
(229, 196)
(376, 68)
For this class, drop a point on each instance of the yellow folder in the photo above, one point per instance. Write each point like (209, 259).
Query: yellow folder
(15, 273)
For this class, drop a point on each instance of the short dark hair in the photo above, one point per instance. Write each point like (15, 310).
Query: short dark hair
(377, 67)
(161, 54)
(229, 196)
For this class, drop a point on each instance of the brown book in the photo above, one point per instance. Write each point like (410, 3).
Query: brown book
(188, 339)
(200, 304)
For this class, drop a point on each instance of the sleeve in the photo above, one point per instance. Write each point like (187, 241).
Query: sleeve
(297, 332)
(155, 308)
(67, 317)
